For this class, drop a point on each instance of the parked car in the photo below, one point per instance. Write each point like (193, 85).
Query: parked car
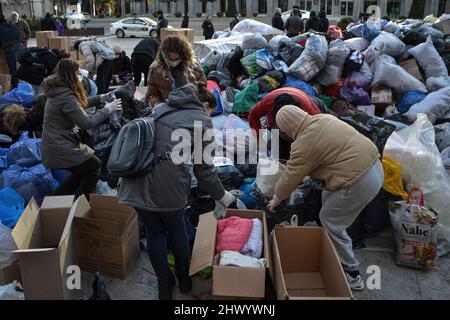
(285, 15)
(134, 27)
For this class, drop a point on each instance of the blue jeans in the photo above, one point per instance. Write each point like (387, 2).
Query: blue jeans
(159, 225)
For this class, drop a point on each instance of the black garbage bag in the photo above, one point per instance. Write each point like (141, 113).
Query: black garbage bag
(289, 52)
(99, 288)
(197, 207)
(247, 169)
(372, 219)
(305, 202)
(413, 37)
(230, 177)
(223, 78)
(102, 136)
(377, 130)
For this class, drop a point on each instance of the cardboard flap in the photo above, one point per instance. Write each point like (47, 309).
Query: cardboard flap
(205, 243)
(108, 203)
(81, 207)
(229, 281)
(23, 233)
(57, 202)
(34, 250)
(68, 226)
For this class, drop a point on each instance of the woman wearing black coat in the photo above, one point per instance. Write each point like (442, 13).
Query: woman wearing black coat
(313, 22)
(324, 23)
(208, 28)
(185, 22)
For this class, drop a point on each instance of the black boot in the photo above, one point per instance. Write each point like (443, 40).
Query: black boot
(184, 281)
(165, 286)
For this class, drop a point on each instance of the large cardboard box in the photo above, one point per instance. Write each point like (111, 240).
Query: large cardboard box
(46, 248)
(180, 32)
(381, 98)
(73, 54)
(443, 26)
(306, 265)
(412, 68)
(5, 82)
(81, 63)
(10, 273)
(62, 43)
(106, 235)
(42, 38)
(229, 282)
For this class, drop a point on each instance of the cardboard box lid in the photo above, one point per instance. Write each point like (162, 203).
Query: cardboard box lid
(58, 202)
(205, 243)
(23, 233)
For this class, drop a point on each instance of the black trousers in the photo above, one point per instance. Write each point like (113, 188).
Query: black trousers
(140, 64)
(84, 179)
(104, 76)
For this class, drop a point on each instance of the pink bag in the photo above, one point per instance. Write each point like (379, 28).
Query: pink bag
(335, 32)
(233, 233)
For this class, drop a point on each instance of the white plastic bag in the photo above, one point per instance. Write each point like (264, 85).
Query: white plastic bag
(389, 44)
(7, 247)
(274, 44)
(312, 59)
(254, 41)
(435, 106)
(332, 71)
(442, 135)
(435, 84)
(9, 292)
(394, 76)
(212, 58)
(268, 172)
(429, 59)
(252, 26)
(445, 154)
(357, 44)
(415, 149)
(371, 54)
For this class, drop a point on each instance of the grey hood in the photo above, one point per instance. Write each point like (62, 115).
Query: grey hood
(53, 87)
(185, 98)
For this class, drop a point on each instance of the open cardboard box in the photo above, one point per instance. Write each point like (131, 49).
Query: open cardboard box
(229, 281)
(45, 248)
(10, 273)
(306, 265)
(106, 235)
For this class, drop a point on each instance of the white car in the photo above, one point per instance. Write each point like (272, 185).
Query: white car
(134, 27)
(285, 15)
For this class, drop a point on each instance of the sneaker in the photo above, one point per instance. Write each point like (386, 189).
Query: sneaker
(355, 280)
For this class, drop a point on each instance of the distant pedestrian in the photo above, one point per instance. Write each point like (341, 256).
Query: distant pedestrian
(185, 22)
(313, 22)
(277, 21)
(48, 24)
(324, 23)
(162, 23)
(208, 28)
(11, 44)
(59, 27)
(294, 24)
(234, 22)
(22, 27)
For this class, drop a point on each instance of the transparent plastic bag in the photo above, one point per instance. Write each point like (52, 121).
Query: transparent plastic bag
(255, 41)
(267, 175)
(332, 71)
(7, 246)
(359, 44)
(389, 44)
(435, 106)
(415, 149)
(429, 59)
(252, 26)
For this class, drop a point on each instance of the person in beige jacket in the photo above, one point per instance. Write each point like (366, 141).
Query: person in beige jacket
(328, 149)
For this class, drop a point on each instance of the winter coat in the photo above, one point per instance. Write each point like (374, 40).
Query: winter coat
(277, 22)
(122, 64)
(264, 107)
(167, 186)
(23, 29)
(208, 29)
(185, 22)
(148, 47)
(48, 24)
(161, 24)
(324, 148)
(324, 25)
(159, 88)
(313, 23)
(94, 53)
(35, 71)
(60, 146)
(9, 36)
(294, 26)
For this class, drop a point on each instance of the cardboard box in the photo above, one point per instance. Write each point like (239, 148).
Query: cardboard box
(42, 38)
(180, 32)
(412, 68)
(443, 26)
(228, 281)
(10, 273)
(73, 55)
(5, 82)
(46, 248)
(81, 63)
(306, 265)
(3, 65)
(106, 236)
(62, 43)
(381, 98)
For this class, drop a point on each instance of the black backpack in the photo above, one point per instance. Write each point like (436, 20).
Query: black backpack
(132, 153)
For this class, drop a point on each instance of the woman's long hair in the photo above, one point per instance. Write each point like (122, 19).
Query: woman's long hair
(66, 72)
(177, 45)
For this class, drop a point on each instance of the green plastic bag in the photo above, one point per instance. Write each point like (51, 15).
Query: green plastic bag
(251, 65)
(246, 99)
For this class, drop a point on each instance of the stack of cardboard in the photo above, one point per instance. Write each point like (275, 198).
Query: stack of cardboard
(381, 98)
(62, 43)
(412, 68)
(106, 235)
(5, 83)
(179, 32)
(42, 38)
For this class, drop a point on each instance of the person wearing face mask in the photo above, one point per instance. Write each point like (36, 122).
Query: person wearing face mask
(328, 149)
(175, 66)
(160, 196)
(64, 111)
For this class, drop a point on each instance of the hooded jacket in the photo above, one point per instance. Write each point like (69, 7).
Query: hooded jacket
(60, 146)
(158, 89)
(148, 47)
(48, 24)
(277, 21)
(23, 29)
(167, 186)
(294, 26)
(324, 148)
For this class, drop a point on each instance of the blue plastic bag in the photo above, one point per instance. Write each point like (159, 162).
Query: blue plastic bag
(11, 207)
(356, 96)
(219, 108)
(3, 159)
(22, 95)
(410, 98)
(60, 175)
(26, 152)
(293, 82)
(36, 181)
(246, 188)
(370, 30)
